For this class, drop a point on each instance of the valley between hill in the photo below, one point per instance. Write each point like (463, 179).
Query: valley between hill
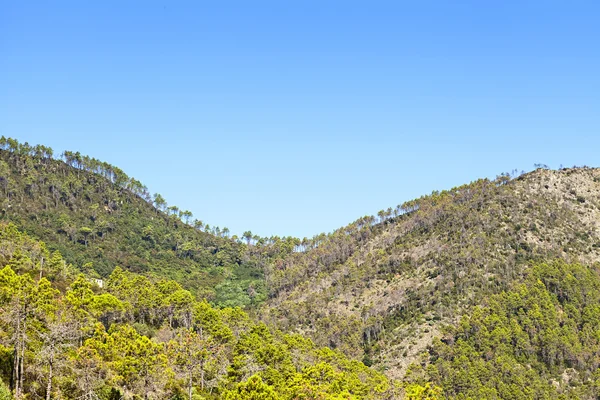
(487, 290)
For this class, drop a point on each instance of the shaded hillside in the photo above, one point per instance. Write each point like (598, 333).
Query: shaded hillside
(98, 218)
(381, 288)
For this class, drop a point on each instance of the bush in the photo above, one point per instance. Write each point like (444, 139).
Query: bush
(5, 393)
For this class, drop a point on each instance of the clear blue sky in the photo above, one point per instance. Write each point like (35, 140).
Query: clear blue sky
(297, 117)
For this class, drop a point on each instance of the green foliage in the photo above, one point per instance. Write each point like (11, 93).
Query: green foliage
(98, 218)
(141, 319)
(414, 391)
(539, 340)
(5, 393)
(252, 389)
(380, 288)
(143, 338)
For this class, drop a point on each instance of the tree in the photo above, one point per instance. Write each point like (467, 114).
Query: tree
(187, 216)
(194, 355)
(5, 393)
(173, 210)
(140, 365)
(57, 338)
(418, 392)
(78, 299)
(148, 233)
(252, 389)
(30, 303)
(91, 372)
(159, 202)
(16, 316)
(85, 232)
(248, 236)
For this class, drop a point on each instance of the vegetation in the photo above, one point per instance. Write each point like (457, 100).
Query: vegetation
(97, 217)
(540, 340)
(487, 290)
(62, 336)
(381, 288)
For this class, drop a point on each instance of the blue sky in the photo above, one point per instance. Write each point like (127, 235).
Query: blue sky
(297, 117)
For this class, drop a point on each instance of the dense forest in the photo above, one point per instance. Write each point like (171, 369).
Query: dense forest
(98, 217)
(487, 290)
(539, 340)
(62, 336)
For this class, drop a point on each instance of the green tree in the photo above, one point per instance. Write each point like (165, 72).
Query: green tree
(59, 336)
(85, 232)
(195, 356)
(5, 393)
(427, 392)
(252, 389)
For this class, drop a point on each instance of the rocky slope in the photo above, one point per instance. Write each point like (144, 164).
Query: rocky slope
(381, 288)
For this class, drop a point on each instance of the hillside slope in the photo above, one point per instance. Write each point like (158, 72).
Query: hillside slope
(381, 288)
(540, 340)
(442, 293)
(61, 336)
(99, 218)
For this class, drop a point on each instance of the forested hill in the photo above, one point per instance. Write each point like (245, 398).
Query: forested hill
(382, 288)
(97, 217)
(487, 290)
(64, 337)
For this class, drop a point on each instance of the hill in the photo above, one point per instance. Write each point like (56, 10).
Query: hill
(487, 290)
(539, 340)
(97, 217)
(62, 336)
(382, 288)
